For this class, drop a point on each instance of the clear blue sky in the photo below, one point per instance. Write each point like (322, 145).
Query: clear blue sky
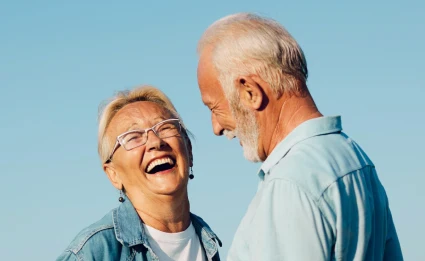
(60, 59)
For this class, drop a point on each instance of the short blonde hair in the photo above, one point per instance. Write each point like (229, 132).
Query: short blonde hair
(109, 109)
(245, 43)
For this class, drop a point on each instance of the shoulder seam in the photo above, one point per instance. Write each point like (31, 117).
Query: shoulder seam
(338, 179)
(76, 249)
(326, 188)
(310, 196)
(342, 176)
(73, 254)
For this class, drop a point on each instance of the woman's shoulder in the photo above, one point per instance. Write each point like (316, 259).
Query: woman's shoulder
(94, 238)
(203, 229)
(198, 221)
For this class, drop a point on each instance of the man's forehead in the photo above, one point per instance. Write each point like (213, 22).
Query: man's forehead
(207, 91)
(208, 81)
(204, 72)
(205, 64)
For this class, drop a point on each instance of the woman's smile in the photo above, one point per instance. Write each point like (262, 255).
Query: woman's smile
(161, 165)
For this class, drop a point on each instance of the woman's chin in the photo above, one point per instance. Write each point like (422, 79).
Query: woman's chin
(166, 186)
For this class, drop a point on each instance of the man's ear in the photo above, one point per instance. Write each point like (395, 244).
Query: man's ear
(113, 176)
(251, 91)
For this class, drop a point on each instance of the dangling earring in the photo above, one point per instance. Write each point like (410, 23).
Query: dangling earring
(191, 176)
(121, 198)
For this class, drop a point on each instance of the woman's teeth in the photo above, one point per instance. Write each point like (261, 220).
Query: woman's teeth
(157, 162)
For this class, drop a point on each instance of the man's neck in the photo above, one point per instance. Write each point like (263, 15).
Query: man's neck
(288, 113)
(165, 213)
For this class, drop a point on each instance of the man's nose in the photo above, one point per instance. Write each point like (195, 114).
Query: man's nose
(153, 142)
(217, 128)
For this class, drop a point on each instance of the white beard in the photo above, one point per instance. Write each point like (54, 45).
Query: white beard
(246, 130)
(229, 134)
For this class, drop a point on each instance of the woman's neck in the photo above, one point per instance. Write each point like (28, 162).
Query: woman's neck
(166, 213)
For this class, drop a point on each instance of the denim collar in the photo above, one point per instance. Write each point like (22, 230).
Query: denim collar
(206, 235)
(128, 227)
(308, 129)
(130, 232)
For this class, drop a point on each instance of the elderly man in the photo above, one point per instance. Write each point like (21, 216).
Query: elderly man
(319, 196)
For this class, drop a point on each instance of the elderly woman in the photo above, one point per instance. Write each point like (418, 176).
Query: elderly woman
(146, 154)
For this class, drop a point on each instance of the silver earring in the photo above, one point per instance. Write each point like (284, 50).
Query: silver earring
(121, 198)
(191, 176)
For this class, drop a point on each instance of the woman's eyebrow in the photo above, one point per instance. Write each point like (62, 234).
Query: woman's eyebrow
(160, 118)
(132, 127)
(155, 120)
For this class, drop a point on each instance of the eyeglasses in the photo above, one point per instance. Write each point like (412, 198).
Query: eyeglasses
(136, 138)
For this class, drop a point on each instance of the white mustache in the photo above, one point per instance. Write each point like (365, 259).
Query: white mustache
(229, 134)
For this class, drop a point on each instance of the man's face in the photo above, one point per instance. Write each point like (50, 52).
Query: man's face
(214, 98)
(247, 131)
(228, 119)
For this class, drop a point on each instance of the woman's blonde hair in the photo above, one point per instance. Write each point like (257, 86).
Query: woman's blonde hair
(108, 110)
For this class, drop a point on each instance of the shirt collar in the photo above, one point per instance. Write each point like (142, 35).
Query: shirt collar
(308, 129)
(129, 230)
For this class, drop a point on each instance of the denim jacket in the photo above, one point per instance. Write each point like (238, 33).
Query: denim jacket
(120, 236)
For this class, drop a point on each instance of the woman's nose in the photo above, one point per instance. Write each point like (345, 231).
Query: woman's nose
(153, 142)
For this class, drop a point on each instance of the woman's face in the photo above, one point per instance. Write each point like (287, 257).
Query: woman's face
(160, 167)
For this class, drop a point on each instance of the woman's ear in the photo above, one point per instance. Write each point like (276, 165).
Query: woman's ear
(113, 175)
(250, 91)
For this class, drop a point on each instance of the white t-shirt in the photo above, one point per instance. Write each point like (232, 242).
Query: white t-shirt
(183, 246)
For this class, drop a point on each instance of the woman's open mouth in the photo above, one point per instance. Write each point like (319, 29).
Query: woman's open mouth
(160, 165)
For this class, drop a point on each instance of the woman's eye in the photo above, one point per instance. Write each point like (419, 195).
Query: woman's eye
(167, 127)
(133, 137)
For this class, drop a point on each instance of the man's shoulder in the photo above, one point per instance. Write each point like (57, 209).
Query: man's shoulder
(317, 162)
(94, 235)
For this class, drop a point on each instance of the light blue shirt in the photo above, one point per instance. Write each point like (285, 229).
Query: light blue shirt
(319, 198)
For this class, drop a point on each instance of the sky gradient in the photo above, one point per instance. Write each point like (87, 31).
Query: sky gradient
(60, 59)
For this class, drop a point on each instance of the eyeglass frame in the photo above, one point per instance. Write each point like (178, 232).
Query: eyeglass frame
(118, 142)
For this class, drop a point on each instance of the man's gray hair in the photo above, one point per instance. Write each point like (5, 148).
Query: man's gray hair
(245, 43)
